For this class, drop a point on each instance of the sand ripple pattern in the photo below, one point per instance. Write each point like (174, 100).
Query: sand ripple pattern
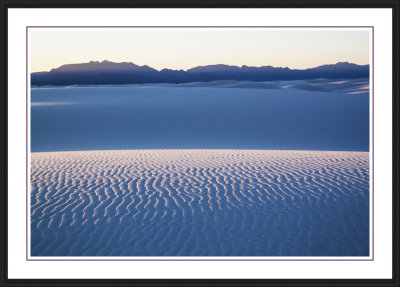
(200, 203)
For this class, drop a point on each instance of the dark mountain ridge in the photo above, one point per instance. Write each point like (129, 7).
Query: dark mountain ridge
(100, 73)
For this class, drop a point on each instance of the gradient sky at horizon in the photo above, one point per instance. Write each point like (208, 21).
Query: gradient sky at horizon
(185, 48)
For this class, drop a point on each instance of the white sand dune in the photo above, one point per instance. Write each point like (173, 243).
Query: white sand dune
(298, 115)
(347, 86)
(200, 203)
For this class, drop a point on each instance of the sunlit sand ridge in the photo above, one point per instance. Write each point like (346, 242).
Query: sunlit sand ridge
(200, 203)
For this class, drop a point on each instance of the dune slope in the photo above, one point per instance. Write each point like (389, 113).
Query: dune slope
(288, 115)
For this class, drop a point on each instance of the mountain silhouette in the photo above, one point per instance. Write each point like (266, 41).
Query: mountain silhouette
(106, 72)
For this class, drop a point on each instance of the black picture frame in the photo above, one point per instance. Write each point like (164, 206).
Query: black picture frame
(394, 5)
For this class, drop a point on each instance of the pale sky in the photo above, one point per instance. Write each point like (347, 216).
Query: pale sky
(190, 47)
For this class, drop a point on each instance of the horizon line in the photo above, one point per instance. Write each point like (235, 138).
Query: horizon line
(206, 65)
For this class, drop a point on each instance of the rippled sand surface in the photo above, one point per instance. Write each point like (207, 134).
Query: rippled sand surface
(200, 203)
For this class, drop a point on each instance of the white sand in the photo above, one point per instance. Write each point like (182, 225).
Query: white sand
(200, 203)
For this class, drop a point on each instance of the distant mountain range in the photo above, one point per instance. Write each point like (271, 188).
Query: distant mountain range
(103, 73)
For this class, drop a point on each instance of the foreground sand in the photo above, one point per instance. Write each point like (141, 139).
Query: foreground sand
(200, 203)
